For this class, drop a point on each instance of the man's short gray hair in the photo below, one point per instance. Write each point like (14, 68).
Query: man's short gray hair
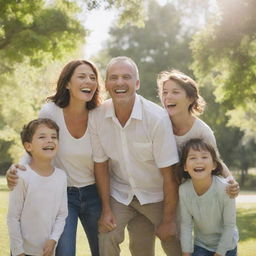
(123, 58)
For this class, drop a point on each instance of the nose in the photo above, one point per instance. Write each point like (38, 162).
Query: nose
(87, 80)
(49, 139)
(119, 81)
(169, 95)
(199, 160)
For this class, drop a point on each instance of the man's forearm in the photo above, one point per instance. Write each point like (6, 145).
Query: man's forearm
(102, 182)
(170, 188)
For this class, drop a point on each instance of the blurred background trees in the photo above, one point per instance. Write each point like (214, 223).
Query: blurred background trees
(37, 37)
(211, 40)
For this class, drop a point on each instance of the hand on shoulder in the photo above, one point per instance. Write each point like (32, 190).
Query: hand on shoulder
(233, 188)
(11, 175)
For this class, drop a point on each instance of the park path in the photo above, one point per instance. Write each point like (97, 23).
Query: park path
(246, 199)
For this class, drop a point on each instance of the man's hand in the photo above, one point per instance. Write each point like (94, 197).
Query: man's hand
(233, 189)
(186, 254)
(11, 175)
(107, 222)
(49, 247)
(166, 230)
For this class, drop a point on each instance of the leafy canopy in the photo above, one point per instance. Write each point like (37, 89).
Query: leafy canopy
(225, 51)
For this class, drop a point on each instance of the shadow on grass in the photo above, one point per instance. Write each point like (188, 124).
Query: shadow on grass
(246, 222)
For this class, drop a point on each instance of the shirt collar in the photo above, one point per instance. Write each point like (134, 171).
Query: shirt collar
(137, 108)
(136, 111)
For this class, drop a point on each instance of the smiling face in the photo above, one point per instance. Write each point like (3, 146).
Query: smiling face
(199, 164)
(174, 98)
(44, 143)
(122, 81)
(82, 84)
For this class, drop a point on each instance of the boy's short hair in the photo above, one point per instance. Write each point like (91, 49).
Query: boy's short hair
(29, 129)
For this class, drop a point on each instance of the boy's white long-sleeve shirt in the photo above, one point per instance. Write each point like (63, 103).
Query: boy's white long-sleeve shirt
(37, 211)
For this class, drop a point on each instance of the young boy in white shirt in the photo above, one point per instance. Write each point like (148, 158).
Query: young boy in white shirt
(38, 204)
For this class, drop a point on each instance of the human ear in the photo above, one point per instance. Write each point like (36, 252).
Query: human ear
(215, 165)
(137, 85)
(27, 146)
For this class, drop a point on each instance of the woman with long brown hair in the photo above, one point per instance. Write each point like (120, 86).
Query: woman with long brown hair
(76, 94)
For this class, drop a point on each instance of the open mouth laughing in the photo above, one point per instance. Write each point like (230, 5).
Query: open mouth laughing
(198, 169)
(51, 148)
(170, 105)
(86, 90)
(119, 91)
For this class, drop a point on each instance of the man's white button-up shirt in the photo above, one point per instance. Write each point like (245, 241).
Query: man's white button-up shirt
(135, 151)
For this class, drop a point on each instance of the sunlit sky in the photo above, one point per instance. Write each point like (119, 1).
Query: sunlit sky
(99, 22)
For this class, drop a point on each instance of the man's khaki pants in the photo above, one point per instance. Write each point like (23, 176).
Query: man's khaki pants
(109, 242)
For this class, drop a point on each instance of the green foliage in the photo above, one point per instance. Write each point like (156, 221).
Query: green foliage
(157, 46)
(48, 29)
(237, 153)
(250, 182)
(130, 12)
(246, 218)
(225, 51)
(20, 103)
(162, 44)
(33, 29)
(35, 35)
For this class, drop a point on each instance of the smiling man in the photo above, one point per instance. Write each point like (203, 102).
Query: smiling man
(133, 138)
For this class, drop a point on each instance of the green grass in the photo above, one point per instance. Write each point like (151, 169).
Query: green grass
(246, 222)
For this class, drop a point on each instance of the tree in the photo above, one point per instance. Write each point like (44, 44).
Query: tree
(35, 38)
(237, 153)
(32, 33)
(163, 44)
(225, 51)
(157, 46)
(130, 12)
(38, 31)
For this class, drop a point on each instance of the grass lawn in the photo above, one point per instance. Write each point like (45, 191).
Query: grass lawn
(246, 222)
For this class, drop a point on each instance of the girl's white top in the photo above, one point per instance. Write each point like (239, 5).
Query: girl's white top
(212, 216)
(37, 211)
(199, 130)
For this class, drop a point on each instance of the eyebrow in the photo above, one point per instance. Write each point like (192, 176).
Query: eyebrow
(120, 74)
(43, 133)
(82, 73)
